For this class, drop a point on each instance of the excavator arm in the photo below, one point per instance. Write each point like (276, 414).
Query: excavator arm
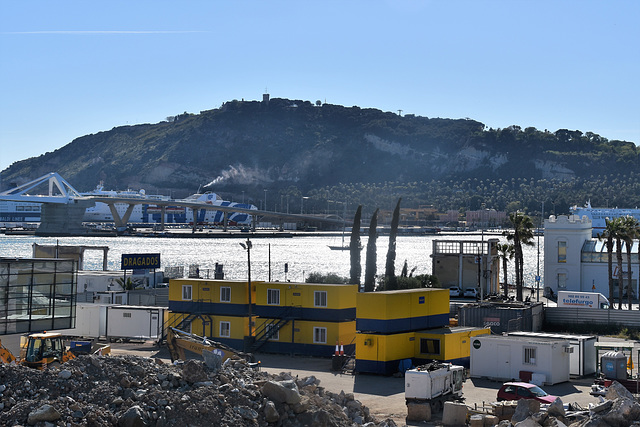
(179, 341)
(5, 355)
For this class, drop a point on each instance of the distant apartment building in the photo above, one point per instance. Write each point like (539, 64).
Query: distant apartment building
(451, 216)
(486, 218)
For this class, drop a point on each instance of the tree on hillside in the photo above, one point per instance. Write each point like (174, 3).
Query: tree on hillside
(354, 248)
(522, 234)
(370, 268)
(390, 274)
(505, 253)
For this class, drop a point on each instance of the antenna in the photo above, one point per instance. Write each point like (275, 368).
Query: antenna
(400, 113)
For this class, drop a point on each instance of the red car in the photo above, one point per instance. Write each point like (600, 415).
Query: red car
(517, 391)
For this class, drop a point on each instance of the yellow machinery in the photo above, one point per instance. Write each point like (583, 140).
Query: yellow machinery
(46, 349)
(178, 341)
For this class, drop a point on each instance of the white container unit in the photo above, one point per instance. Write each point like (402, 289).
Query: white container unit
(91, 321)
(507, 358)
(134, 322)
(584, 359)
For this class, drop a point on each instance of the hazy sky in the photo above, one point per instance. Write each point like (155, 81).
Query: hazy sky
(71, 68)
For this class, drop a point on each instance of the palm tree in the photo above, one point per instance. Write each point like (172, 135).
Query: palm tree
(630, 231)
(608, 234)
(505, 253)
(522, 235)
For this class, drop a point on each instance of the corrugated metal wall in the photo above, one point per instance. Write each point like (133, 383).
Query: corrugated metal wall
(573, 315)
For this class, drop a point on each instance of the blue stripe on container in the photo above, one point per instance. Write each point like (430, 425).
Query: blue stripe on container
(220, 309)
(303, 349)
(303, 313)
(392, 326)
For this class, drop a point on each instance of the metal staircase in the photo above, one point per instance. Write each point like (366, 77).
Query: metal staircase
(268, 330)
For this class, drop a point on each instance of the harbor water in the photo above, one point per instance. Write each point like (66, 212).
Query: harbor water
(302, 254)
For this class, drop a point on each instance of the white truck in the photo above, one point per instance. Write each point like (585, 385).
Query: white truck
(434, 383)
(582, 299)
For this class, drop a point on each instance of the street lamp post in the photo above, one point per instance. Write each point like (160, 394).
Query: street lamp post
(265, 199)
(302, 203)
(247, 247)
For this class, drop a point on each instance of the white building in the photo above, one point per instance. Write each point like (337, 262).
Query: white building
(574, 261)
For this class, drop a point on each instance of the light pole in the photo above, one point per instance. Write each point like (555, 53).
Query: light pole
(265, 199)
(247, 247)
(243, 197)
(302, 203)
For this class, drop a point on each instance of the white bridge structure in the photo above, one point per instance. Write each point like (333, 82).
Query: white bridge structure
(63, 207)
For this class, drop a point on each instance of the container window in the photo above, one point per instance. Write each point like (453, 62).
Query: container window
(320, 335)
(273, 332)
(429, 346)
(225, 329)
(186, 293)
(273, 296)
(320, 298)
(529, 355)
(126, 314)
(225, 294)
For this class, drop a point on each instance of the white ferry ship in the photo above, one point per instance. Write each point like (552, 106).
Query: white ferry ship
(23, 212)
(598, 215)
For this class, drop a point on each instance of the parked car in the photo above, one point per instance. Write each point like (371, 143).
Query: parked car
(455, 291)
(471, 293)
(517, 391)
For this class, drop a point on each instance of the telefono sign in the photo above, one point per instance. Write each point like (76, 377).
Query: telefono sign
(140, 261)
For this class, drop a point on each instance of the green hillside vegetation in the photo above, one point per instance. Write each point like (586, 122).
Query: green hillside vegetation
(331, 154)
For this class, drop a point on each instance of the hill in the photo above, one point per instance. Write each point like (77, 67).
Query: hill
(294, 147)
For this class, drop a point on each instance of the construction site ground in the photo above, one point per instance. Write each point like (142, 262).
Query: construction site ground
(383, 395)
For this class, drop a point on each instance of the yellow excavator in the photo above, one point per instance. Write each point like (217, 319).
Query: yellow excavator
(179, 341)
(45, 349)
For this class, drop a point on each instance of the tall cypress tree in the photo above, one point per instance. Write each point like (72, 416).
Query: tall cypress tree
(390, 273)
(370, 270)
(354, 248)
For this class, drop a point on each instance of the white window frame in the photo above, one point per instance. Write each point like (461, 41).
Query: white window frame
(225, 326)
(276, 335)
(225, 291)
(320, 298)
(272, 296)
(529, 356)
(323, 335)
(187, 293)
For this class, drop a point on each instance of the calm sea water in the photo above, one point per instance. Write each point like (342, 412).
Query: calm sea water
(268, 255)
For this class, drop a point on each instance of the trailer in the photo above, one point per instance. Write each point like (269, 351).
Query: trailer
(433, 384)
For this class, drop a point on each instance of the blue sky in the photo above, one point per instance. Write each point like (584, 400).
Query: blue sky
(71, 68)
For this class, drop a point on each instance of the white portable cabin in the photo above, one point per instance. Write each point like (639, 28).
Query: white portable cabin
(131, 322)
(584, 359)
(507, 358)
(135, 322)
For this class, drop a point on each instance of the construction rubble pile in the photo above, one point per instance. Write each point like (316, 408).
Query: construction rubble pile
(131, 391)
(617, 409)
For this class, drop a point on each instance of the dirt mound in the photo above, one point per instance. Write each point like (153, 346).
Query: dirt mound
(135, 391)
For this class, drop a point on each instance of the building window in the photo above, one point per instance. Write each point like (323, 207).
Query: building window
(562, 251)
(320, 298)
(320, 335)
(562, 281)
(225, 329)
(529, 355)
(273, 296)
(429, 346)
(272, 332)
(186, 292)
(225, 294)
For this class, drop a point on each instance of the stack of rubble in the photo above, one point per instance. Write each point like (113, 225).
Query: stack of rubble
(130, 391)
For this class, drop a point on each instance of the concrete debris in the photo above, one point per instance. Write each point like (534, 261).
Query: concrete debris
(131, 391)
(619, 409)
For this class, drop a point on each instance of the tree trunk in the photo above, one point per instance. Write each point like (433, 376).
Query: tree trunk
(370, 266)
(354, 248)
